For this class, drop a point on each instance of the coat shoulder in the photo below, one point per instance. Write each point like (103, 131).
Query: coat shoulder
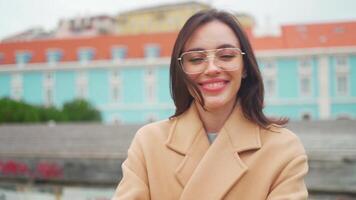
(282, 139)
(155, 132)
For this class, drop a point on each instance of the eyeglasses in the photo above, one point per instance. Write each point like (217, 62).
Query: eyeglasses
(195, 62)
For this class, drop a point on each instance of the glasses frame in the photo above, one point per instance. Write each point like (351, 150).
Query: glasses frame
(180, 59)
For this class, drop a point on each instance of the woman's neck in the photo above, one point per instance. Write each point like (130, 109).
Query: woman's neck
(214, 119)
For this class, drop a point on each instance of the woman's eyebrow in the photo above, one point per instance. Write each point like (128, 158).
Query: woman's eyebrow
(218, 47)
(226, 46)
(196, 49)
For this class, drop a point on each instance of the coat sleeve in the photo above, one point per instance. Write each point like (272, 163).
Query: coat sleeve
(290, 185)
(134, 182)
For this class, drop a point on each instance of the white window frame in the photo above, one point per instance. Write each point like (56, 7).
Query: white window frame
(86, 51)
(342, 70)
(17, 86)
(305, 72)
(308, 91)
(347, 84)
(22, 53)
(148, 48)
(150, 85)
(344, 58)
(48, 86)
(82, 84)
(118, 48)
(115, 83)
(270, 92)
(269, 73)
(51, 56)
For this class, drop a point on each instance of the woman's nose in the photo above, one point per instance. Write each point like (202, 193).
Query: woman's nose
(211, 67)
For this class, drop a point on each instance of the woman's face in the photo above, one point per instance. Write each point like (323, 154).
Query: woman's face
(218, 87)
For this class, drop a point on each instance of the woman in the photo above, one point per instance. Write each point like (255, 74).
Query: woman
(218, 144)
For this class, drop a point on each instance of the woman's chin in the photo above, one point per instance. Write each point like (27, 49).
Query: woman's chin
(213, 105)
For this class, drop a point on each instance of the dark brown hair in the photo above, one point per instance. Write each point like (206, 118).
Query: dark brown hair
(250, 94)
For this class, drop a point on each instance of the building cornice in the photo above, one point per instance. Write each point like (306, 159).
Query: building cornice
(95, 64)
(305, 52)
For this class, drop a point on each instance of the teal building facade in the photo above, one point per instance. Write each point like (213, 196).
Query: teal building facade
(299, 84)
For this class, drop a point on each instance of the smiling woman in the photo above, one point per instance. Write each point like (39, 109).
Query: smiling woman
(218, 144)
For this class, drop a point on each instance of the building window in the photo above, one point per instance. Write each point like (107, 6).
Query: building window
(150, 85)
(118, 53)
(270, 86)
(16, 86)
(305, 63)
(82, 85)
(23, 57)
(341, 61)
(305, 77)
(85, 55)
(54, 56)
(152, 51)
(115, 86)
(342, 84)
(342, 76)
(269, 73)
(305, 86)
(48, 82)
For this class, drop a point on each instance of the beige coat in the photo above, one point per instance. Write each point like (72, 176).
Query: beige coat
(172, 159)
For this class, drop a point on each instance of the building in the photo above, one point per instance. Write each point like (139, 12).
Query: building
(165, 18)
(309, 72)
(28, 35)
(85, 27)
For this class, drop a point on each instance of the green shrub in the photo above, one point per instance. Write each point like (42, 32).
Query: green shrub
(12, 111)
(80, 110)
(17, 111)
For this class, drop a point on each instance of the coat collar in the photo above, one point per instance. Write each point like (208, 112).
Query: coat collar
(243, 134)
(216, 166)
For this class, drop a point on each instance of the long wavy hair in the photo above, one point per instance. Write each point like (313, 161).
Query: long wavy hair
(250, 94)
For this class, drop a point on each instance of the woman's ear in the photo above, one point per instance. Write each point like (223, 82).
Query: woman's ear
(244, 74)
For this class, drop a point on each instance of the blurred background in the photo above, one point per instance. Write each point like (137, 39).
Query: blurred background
(78, 78)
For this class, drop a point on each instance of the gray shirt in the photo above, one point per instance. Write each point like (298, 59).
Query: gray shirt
(211, 137)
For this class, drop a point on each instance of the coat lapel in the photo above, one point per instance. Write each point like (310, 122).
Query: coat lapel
(188, 138)
(209, 172)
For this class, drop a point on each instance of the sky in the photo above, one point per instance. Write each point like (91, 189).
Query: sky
(20, 15)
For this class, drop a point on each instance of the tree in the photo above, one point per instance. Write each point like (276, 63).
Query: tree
(80, 110)
(17, 111)
(12, 111)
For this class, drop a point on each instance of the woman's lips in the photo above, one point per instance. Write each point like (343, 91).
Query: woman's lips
(213, 86)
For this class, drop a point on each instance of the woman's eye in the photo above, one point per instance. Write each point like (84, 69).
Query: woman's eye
(196, 60)
(227, 56)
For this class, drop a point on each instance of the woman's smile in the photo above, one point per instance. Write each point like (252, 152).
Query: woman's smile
(215, 85)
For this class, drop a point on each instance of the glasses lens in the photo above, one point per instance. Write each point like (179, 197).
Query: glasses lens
(196, 61)
(193, 62)
(228, 59)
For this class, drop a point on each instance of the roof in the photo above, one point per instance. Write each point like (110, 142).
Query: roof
(101, 44)
(165, 7)
(299, 36)
(320, 35)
